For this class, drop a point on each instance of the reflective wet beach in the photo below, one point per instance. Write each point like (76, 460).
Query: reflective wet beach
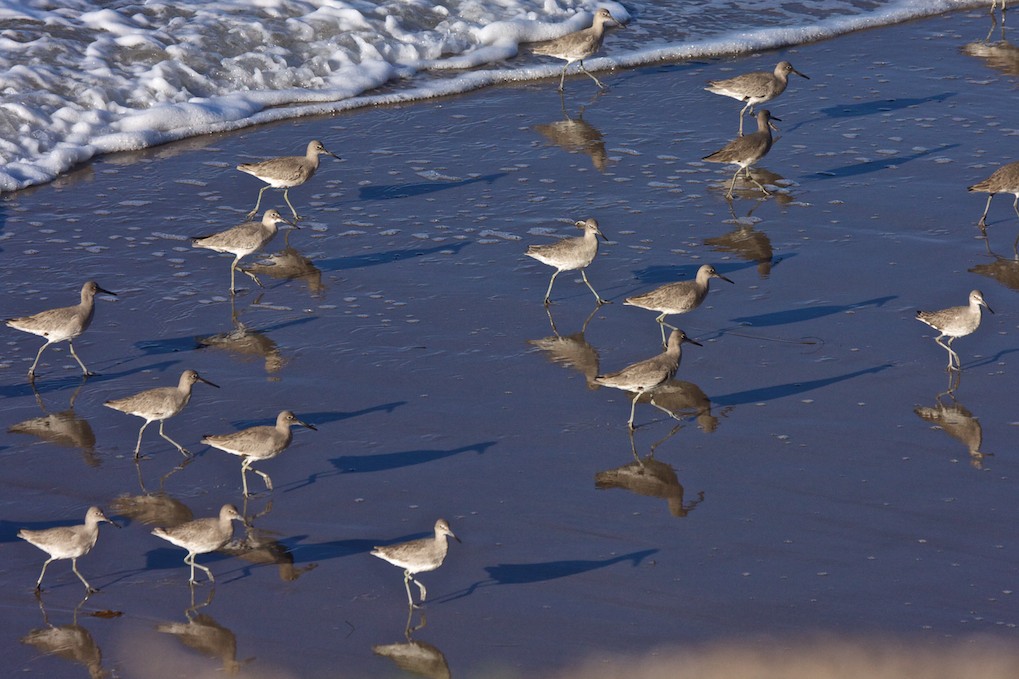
(406, 330)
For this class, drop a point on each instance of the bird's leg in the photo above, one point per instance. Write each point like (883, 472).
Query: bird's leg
(562, 76)
(265, 477)
(633, 406)
(406, 584)
(74, 567)
(661, 325)
(953, 358)
(84, 371)
(258, 202)
(1015, 205)
(732, 184)
(138, 446)
(664, 409)
(742, 113)
(596, 295)
(38, 583)
(31, 371)
(182, 449)
(286, 197)
(424, 592)
(759, 185)
(253, 277)
(597, 82)
(983, 218)
(244, 476)
(548, 293)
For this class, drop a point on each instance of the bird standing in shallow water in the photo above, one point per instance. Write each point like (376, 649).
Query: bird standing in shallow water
(570, 254)
(953, 322)
(649, 374)
(161, 404)
(677, 298)
(1003, 180)
(418, 556)
(754, 88)
(64, 323)
(286, 172)
(258, 443)
(242, 240)
(67, 542)
(202, 536)
(578, 45)
(745, 151)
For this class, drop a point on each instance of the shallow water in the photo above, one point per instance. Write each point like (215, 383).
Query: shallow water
(812, 498)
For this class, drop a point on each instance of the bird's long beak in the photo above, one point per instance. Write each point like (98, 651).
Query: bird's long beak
(211, 384)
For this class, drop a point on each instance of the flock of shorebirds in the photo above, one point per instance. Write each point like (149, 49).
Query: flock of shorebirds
(568, 254)
(254, 444)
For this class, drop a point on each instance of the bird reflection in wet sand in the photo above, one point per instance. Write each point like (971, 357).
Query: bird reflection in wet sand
(246, 343)
(576, 135)
(290, 265)
(572, 351)
(417, 657)
(202, 633)
(748, 244)
(70, 642)
(153, 509)
(647, 375)
(685, 398)
(66, 428)
(956, 420)
(650, 478)
(1002, 56)
(1003, 270)
(747, 187)
(258, 547)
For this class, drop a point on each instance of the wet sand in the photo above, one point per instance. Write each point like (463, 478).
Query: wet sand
(820, 485)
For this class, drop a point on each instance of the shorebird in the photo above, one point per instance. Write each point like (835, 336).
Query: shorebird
(67, 542)
(956, 321)
(418, 556)
(161, 404)
(65, 323)
(647, 375)
(745, 151)
(1003, 180)
(578, 45)
(258, 443)
(754, 88)
(570, 254)
(677, 298)
(286, 172)
(242, 240)
(202, 536)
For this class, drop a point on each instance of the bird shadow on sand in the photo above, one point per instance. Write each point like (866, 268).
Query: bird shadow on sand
(810, 313)
(869, 166)
(544, 571)
(390, 191)
(777, 391)
(362, 464)
(387, 257)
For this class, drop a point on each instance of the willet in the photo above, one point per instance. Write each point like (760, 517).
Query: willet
(956, 321)
(647, 375)
(242, 240)
(418, 556)
(745, 151)
(677, 298)
(65, 323)
(161, 404)
(286, 172)
(578, 45)
(570, 254)
(202, 536)
(754, 88)
(1003, 180)
(258, 443)
(67, 542)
